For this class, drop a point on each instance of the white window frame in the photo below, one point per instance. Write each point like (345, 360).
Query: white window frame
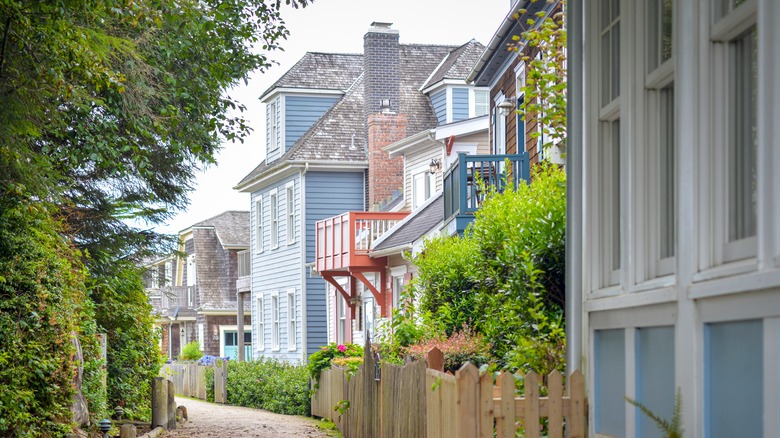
(473, 94)
(499, 127)
(169, 273)
(275, 322)
(722, 34)
(259, 224)
(292, 322)
(192, 270)
(273, 205)
(290, 209)
(260, 313)
(273, 125)
(520, 96)
(429, 181)
(341, 319)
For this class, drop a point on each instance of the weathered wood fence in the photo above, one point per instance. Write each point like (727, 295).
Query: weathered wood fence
(189, 380)
(418, 401)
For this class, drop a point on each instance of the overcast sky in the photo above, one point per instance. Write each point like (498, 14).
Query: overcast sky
(329, 26)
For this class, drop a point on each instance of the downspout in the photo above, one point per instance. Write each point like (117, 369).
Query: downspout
(304, 314)
(574, 187)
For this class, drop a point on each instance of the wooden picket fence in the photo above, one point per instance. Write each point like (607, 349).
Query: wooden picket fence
(189, 380)
(420, 401)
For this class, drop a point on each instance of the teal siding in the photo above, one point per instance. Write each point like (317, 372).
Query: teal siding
(327, 194)
(460, 104)
(300, 114)
(439, 102)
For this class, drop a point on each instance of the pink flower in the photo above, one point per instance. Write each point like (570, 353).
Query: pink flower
(342, 348)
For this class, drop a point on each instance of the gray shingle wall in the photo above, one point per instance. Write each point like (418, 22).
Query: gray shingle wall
(216, 271)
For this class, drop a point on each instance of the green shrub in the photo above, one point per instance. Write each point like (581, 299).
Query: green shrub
(208, 377)
(268, 384)
(505, 277)
(191, 351)
(41, 297)
(320, 360)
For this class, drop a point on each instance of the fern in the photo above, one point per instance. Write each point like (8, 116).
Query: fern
(671, 429)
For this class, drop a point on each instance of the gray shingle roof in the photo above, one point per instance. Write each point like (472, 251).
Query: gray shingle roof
(232, 227)
(340, 134)
(458, 63)
(416, 226)
(322, 71)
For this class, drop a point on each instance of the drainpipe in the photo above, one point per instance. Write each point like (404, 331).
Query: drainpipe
(240, 324)
(574, 187)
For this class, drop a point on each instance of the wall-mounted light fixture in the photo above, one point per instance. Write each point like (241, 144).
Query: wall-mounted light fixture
(506, 106)
(435, 165)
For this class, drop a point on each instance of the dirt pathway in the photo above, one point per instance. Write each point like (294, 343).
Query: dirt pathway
(213, 420)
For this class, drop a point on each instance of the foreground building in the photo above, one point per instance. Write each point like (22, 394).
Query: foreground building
(675, 232)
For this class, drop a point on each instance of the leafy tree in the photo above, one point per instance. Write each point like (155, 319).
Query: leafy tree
(109, 108)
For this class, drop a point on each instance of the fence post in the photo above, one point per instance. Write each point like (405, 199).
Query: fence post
(532, 429)
(577, 407)
(435, 359)
(127, 431)
(159, 402)
(505, 424)
(468, 400)
(171, 406)
(555, 405)
(486, 405)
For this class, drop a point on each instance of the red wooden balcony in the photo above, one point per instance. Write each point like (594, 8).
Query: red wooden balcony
(344, 241)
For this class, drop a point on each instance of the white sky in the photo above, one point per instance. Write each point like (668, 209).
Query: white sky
(329, 26)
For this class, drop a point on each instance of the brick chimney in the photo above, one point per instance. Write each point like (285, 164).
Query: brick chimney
(386, 124)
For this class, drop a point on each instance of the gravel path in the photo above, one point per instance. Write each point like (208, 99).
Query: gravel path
(213, 420)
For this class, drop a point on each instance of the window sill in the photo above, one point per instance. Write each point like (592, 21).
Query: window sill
(292, 348)
(276, 349)
(751, 281)
(726, 270)
(630, 300)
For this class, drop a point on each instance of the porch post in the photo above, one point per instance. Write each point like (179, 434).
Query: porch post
(240, 324)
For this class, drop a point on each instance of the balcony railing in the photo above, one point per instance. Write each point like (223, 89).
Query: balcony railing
(244, 263)
(345, 240)
(181, 297)
(471, 176)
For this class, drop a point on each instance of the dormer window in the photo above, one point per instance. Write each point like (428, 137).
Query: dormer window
(273, 126)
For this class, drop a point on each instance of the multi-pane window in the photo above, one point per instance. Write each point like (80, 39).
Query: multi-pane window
(275, 321)
(609, 140)
(609, 29)
(273, 143)
(341, 314)
(735, 39)
(260, 319)
(191, 270)
(659, 101)
(290, 203)
(274, 206)
(480, 103)
(259, 224)
(499, 130)
(291, 321)
(422, 187)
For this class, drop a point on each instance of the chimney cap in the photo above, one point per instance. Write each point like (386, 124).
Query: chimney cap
(382, 26)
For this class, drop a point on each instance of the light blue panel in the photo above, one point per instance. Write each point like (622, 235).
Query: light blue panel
(439, 102)
(734, 383)
(276, 270)
(300, 114)
(655, 386)
(460, 104)
(327, 194)
(610, 385)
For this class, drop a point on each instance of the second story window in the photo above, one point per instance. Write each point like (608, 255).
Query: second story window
(191, 270)
(259, 223)
(480, 103)
(274, 201)
(290, 202)
(423, 185)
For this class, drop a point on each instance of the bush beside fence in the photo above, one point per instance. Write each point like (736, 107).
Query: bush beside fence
(413, 400)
